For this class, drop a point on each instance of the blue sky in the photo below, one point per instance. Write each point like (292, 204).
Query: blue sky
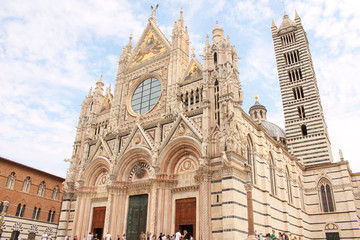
(52, 52)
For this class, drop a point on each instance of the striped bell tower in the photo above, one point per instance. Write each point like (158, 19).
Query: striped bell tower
(305, 127)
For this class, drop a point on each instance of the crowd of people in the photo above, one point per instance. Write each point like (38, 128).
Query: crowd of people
(273, 236)
(183, 236)
(143, 236)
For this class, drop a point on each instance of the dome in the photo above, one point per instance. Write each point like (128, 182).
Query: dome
(273, 129)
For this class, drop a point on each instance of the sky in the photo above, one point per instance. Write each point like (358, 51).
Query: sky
(52, 52)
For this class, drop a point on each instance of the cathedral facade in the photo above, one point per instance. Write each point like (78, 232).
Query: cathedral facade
(172, 149)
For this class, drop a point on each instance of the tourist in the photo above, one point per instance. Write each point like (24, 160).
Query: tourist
(285, 236)
(273, 236)
(90, 236)
(178, 235)
(143, 236)
(76, 237)
(44, 236)
(124, 236)
(108, 236)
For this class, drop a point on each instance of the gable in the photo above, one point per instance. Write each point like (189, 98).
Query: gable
(194, 71)
(106, 106)
(152, 43)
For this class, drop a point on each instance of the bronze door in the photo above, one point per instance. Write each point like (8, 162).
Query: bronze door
(137, 214)
(98, 221)
(185, 216)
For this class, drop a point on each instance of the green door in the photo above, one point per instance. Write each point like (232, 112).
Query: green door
(137, 214)
(332, 236)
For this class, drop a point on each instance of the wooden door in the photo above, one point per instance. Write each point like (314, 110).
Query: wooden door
(98, 221)
(185, 216)
(137, 215)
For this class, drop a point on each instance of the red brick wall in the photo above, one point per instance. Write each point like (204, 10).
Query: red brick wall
(31, 199)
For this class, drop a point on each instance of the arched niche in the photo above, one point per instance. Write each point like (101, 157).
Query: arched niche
(180, 155)
(97, 168)
(134, 165)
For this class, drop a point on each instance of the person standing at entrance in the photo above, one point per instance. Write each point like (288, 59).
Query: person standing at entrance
(108, 236)
(177, 235)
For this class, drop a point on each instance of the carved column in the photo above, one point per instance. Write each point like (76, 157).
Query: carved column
(250, 212)
(108, 214)
(205, 210)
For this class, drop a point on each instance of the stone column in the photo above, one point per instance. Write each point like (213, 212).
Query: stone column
(250, 212)
(204, 180)
(108, 214)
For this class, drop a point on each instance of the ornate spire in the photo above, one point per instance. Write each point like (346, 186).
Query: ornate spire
(181, 18)
(193, 52)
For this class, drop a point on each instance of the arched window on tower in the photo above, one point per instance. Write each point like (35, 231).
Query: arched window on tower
(288, 185)
(215, 59)
(41, 189)
(11, 181)
(326, 196)
(27, 184)
(272, 169)
(216, 102)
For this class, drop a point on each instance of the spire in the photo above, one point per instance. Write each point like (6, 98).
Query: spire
(341, 155)
(207, 41)
(90, 92)
(193, 52)
(287, 25)
(273, 23)
(297, 18)
(99, 86)
(181, 18)
(218, 33)
(129, 45)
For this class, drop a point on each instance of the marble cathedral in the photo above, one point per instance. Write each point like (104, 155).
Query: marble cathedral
(172, 148)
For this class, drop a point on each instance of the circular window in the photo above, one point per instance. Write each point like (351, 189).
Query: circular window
(146, 95)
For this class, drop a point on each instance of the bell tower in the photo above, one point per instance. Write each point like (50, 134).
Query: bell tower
(305, 127)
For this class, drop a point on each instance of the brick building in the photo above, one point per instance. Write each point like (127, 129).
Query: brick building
(33, 198)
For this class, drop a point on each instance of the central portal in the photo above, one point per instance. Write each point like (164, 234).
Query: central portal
(98, 221)
(185, 216)
(136, 222)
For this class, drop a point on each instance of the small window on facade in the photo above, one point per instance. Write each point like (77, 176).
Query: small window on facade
(215, 59)
(304, 130)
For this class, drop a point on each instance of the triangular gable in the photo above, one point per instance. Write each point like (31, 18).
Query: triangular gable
(101, 149)
(179, 127)
(193, 70)
(152, 43)
(106, 106)
(137, 138)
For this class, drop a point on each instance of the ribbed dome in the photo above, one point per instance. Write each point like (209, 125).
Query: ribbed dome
(273, 129)
(287, 25)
